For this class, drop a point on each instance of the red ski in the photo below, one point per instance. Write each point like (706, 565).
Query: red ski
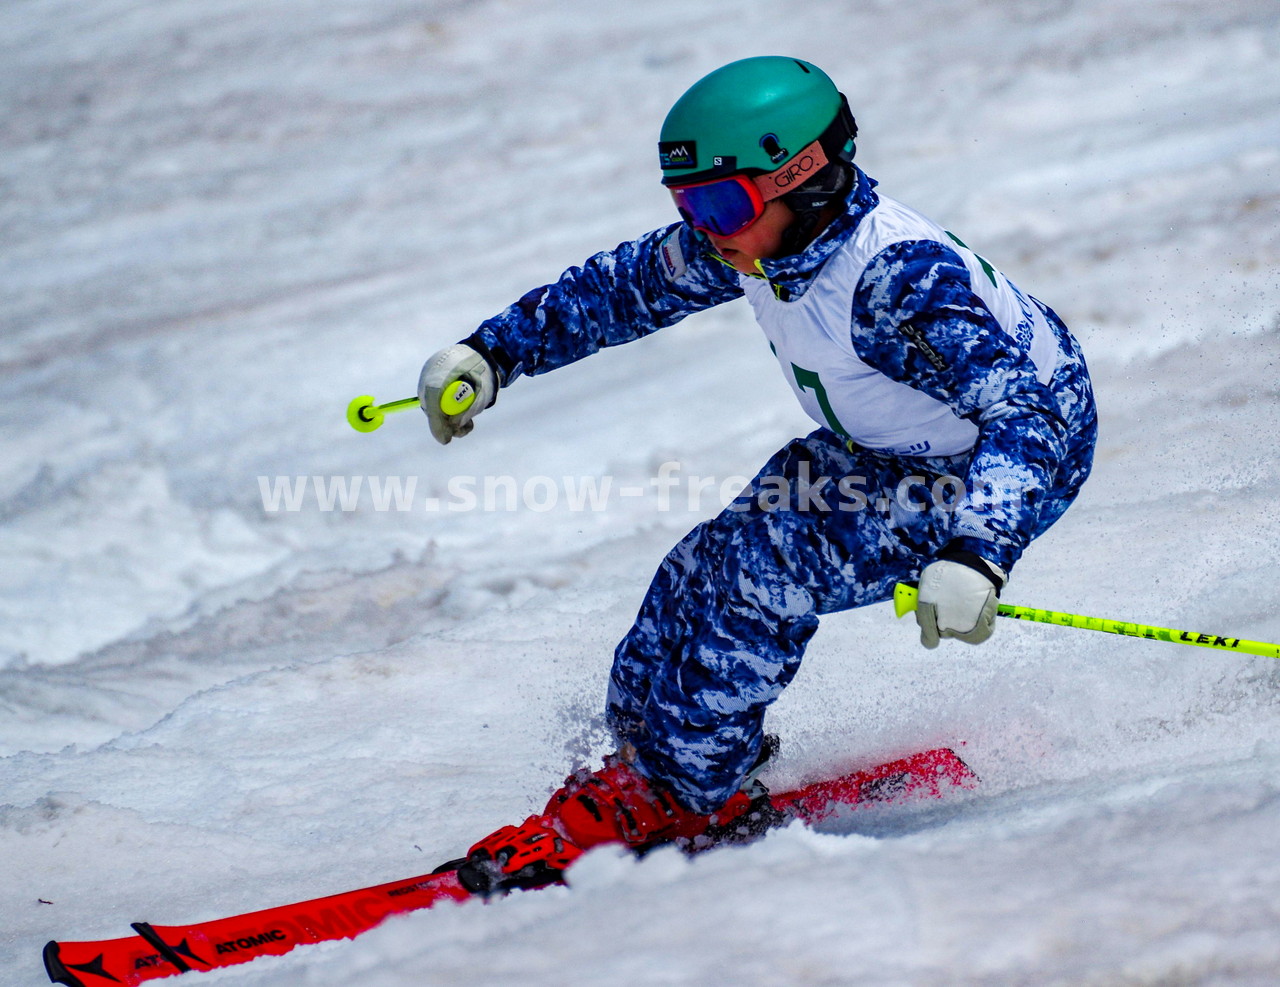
(163, 950)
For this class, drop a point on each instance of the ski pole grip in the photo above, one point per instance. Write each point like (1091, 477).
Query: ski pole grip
(905, 596)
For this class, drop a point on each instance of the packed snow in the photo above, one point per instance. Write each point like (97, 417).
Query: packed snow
(221, 222)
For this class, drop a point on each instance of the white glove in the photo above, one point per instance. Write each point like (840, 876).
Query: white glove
(958, 599)
(439, 398)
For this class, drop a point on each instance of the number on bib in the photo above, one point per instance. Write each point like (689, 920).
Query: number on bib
(807, 380)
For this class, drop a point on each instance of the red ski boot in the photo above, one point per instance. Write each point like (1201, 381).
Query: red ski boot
(613, 805)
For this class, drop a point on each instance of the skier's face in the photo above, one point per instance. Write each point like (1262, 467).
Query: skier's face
(759, 241)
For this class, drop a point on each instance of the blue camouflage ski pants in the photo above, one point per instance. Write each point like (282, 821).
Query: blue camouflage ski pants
(731, 608)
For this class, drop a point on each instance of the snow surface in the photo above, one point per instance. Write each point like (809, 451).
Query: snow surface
(221, 221)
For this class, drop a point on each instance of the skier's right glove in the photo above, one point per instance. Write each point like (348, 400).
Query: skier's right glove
(456, 385)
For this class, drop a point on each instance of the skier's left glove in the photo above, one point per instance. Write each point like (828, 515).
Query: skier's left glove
(959, 595)
(451, 410)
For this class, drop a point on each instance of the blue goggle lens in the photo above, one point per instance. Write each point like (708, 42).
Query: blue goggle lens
(723, 208)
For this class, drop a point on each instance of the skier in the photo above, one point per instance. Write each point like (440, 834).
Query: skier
(956, 424)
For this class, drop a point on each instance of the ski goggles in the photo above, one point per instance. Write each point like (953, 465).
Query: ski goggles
(727, 206)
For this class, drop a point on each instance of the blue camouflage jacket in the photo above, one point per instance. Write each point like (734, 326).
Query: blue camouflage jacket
(1036, 436)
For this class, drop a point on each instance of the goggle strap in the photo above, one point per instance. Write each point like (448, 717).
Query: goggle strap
(811, 160)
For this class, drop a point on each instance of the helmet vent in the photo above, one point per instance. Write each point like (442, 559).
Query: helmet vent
(777, 153)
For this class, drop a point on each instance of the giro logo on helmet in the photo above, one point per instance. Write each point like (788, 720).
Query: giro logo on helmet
(796, 172)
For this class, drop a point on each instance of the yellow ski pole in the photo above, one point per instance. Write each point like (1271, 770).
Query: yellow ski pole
(365, 416)
(904, 601)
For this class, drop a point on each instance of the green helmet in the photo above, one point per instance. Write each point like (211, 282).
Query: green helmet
(751, 117)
